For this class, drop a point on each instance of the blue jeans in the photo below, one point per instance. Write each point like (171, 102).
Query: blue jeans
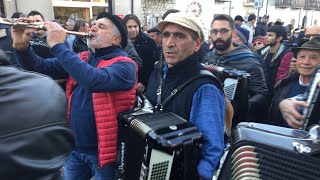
(80, 166)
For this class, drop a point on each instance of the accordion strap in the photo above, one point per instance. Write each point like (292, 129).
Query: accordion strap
(203, 74)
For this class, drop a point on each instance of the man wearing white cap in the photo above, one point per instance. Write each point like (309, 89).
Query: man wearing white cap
(201, 102)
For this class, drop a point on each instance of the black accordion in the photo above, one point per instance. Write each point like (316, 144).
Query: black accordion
(41, 48)
(235, 85)
(157, 146)
(267, 152)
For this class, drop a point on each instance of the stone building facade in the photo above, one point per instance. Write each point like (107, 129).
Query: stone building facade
(152, 10)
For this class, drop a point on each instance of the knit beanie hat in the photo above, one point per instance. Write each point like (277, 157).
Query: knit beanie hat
(243, 34)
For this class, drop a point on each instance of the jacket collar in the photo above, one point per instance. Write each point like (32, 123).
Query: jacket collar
(267, 49)
(184, 66)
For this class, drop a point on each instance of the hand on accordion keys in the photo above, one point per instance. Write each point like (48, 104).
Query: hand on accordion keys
(290, 111)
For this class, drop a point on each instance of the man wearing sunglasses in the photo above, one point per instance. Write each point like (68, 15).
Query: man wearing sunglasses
(227, 55)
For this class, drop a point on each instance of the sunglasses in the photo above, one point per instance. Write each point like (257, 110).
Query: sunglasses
(257, 43)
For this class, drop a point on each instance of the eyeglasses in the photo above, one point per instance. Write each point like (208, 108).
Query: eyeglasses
(222, 31)
(257, 43)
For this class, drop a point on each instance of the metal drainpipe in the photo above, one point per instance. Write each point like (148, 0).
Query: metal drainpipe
(267, 7)
(110, 9)
(132, 1)
(16, 4)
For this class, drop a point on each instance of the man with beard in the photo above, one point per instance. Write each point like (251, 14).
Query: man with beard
(227, 55)
(273, 53)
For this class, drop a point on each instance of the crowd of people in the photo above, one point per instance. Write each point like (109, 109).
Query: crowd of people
(103, 74)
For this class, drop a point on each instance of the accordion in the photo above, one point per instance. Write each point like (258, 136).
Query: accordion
(156, 146)
(267, 152)
(235, 86)
(41, 48)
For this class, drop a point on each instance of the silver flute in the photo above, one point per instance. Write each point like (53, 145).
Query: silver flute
(37, 26)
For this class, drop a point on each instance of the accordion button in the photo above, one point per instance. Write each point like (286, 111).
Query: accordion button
(173, 127)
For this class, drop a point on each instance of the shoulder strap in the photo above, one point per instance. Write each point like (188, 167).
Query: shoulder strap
(203, 74)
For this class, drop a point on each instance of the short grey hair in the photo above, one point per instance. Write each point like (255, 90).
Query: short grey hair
(115, 30)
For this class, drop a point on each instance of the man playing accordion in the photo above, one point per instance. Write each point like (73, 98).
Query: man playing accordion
(201, 102)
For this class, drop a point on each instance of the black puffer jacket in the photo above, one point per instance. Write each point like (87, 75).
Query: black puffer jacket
(258, 91)
(34, 137)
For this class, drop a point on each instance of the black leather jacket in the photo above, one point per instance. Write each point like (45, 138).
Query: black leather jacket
(34, 137)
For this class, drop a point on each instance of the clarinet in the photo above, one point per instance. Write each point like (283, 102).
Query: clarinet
(38, 26)
(312, 93)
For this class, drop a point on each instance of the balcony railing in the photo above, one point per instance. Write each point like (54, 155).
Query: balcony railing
(298, 4)
(283, 3)
(313, 5)
(248, 2)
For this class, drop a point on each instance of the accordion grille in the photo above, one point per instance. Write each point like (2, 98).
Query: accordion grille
(159, 171)
(264, 162)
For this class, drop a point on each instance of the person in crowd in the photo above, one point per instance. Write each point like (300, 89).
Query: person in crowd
(77, 43)
(92, 21)
(308, 58)
(6, 43)
(273, 53)
(202, 103)
(288, 62)
(227, 55)
(251, 22)
(101, 83)
(238, 20)
(241, 36)
(145, 47)
(39, 37)
(156, 35)
(270, 24)
(145, 29)
(278, 22)
(261, 28)
(17, 15)
(34, 137)
(258, 43)
(70, 25)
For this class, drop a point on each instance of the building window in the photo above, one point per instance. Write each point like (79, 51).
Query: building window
(65, 13)
(248, 1)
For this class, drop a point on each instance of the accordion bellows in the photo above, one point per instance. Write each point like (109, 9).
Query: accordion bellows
(268, 152)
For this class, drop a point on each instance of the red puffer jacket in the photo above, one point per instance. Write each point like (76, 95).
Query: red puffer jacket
(106, 107)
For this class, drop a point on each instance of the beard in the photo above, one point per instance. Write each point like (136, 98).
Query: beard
(271, 43)
(222, 45)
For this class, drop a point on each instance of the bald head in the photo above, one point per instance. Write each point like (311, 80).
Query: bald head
(312, 31)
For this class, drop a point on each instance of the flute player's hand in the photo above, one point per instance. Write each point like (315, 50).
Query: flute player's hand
(21, 36)
(55, 33)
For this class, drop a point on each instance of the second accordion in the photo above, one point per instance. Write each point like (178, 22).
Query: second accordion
(157, 146)
(266, 152)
